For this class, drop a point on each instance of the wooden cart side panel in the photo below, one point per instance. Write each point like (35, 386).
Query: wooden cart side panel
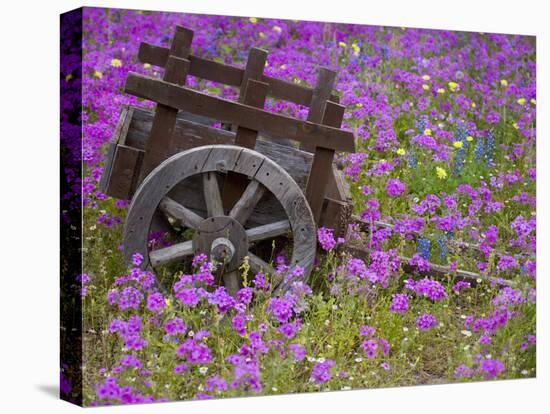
(235, 113)
(125, 172)
(119, 136)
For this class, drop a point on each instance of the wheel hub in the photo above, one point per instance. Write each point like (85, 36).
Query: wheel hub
(223, 239)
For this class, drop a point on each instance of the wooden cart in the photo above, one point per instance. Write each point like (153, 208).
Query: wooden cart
(234, 188)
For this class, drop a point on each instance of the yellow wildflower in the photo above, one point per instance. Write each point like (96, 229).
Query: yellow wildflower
(116, 63)
(69, 77)
(426, 77)
(358, 105)
(253, 20)
(98, 74)
(401, 151)
(453, 86)
(504, 82)
(427, 131)
(342, 44)
(425, 87)
(469, 138)
(457, 144)
(356, 49)
(441, 91)
(146, 66)
(533, 101)
(473, 104)
(441, 173)
(521, 101)
(515, 125)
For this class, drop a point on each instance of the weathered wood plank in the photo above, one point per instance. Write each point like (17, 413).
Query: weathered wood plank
(254, 95)
(268, 231)
(160, 139)
(181, 213)
(212, 195)
(319, 97)
(242, 210)
(171, 254)
(321, 168)
(126, 162)
(236, 113)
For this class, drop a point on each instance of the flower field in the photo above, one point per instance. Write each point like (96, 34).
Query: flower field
(443, 178)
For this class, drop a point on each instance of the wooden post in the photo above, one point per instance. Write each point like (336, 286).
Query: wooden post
(321, 168)
(321, 94)
(253, 93)
(175, 71)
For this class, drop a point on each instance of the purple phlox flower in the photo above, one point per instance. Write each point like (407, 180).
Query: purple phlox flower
(215, 383)
(394, 187)
(460, 285)
(419, 262)
(491, 368)
(426, 321)
(281, 309)
(399, 303)
(370, 347)
(321, 371)
(137, 259)
(367, 330)
(175, 326)
(298, 351)
(130, 298)
(194, 352)
(156, 302)
(326, 238)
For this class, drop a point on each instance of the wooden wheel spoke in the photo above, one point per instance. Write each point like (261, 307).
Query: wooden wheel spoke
(187, 217)
(212, 195)
(244, 207)
(171, 254)
(268, 231)
(232, 282)
(259, 265)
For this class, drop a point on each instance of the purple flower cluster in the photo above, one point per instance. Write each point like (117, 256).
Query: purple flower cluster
(426, 321)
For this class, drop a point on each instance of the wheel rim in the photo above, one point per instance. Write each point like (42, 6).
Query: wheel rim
(264, 175)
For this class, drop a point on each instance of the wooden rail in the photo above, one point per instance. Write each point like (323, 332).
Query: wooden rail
(186, 99)
(231, 75)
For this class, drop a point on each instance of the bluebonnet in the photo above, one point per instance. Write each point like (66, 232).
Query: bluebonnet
(424, 248)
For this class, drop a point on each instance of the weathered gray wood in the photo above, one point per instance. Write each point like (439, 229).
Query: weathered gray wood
(222, 227)
(212, 195)
(160, 139)
(186, 99)
(319, 97)
(268, 231)
(254, 95)
(190, 134)
(232, 282)
(242, 210)
(171, 254)
(222, 250)
(126, 161)
(187, 217)
(321, 168)
(186, 164)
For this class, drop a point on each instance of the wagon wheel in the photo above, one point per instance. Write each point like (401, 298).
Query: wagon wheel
(223, 237)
